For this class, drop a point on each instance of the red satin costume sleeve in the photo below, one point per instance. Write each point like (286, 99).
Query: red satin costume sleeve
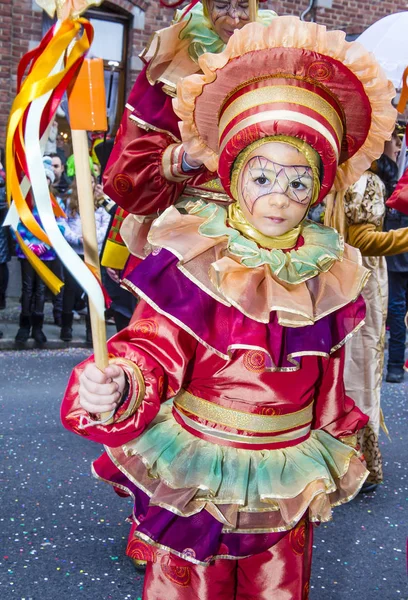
(161, 351)
(134, 176)
(335, 412)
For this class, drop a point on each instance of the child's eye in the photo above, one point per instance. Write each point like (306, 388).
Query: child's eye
(297, 185)
(261, 180)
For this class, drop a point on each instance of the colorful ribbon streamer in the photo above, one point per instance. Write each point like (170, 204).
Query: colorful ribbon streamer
(51, 67)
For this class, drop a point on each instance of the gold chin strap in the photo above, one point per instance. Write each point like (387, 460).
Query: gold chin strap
(237, 220)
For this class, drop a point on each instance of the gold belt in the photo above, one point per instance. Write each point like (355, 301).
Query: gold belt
(237, 419)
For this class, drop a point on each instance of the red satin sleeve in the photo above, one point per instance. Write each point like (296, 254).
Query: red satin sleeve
(134, 176)
(335, 412)
(160, 350)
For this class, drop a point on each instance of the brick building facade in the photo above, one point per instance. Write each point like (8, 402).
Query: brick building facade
(22, 25)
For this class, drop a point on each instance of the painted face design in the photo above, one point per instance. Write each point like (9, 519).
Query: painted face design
(262, 177)
(233, 8)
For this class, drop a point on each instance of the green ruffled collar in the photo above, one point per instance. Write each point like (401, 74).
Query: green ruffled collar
(203, 38)
(323, 246)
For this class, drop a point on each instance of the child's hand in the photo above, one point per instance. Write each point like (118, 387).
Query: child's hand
(100, 391)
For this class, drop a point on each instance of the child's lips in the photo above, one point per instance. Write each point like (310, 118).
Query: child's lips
(276, 219)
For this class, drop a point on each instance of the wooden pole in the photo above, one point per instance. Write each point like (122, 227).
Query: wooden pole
(87, 214)
(253, 10)
(87, 109)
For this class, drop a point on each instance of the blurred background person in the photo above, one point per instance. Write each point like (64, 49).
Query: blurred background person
(397, 283)
(73, 234)
(32, 286)
(51, 143)
(61, 181)
(364, 205)
(5, 254)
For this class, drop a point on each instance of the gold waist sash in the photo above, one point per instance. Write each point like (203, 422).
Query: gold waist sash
(185, 402)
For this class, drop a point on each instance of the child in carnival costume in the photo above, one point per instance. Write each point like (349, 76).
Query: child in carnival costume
(231, 427)
(148, 170)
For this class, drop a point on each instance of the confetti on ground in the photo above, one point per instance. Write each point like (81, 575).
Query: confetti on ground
(64, 534)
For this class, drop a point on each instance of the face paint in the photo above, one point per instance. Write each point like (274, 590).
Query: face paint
(263, 177)
(227, 15)
(236, 9)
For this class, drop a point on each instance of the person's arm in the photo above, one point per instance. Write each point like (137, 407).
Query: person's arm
(371, 242)
(335, 412)
(154, 354)
(73, 237)
(364, 207)
(145, 172)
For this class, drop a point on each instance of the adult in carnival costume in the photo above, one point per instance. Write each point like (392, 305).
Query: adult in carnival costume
(147, 171)
(365, 209)
(231, 428)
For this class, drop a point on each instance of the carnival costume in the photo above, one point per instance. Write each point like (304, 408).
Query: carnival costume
(144, 175)
(364, 205)
(235, 433)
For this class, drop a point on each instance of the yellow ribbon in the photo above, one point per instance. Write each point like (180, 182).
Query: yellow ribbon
(37, 84)
(52, 281)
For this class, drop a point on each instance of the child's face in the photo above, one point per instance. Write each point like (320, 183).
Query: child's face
(275, 188)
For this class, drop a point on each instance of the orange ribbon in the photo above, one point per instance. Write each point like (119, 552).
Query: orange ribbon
(404, 93)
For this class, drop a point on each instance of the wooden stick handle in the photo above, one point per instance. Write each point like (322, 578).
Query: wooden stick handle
(87, 213)
(253, 11)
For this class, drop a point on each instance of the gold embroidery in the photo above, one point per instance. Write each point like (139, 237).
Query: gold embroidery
(241, 420)
(147, 328)
(168, 164)
(254, 361)
(139, 390)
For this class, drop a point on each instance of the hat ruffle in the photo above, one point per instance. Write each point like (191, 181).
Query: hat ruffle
(290, 32)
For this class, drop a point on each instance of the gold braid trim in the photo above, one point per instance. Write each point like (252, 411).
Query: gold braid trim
(239, 419)
(170, 164)
(137, 386)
